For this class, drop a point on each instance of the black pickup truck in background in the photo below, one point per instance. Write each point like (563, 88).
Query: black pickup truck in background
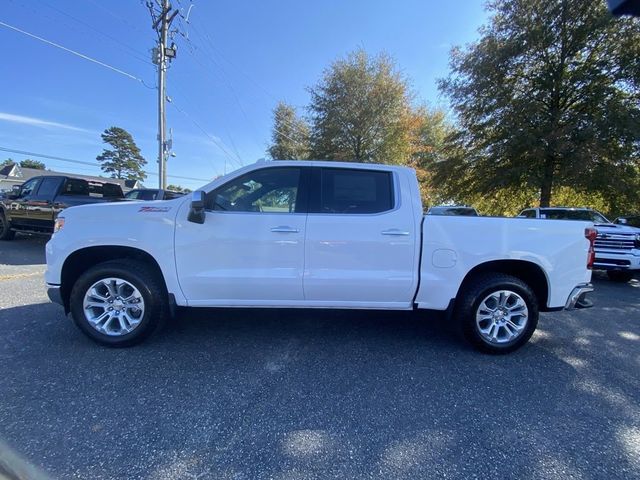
(34, 207)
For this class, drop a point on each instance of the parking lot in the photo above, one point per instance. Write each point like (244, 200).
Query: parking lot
(251, 394)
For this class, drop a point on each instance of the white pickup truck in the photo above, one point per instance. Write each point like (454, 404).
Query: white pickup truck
(617, 247)
(313, 235)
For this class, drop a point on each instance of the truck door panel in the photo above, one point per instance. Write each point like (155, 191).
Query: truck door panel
(361, 238)
(250, 249)
(19, 207)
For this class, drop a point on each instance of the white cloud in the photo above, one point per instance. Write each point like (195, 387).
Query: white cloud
(38, 122)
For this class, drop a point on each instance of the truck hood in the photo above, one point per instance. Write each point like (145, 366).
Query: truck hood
(614, 228)
(124, 210)
(121, 217)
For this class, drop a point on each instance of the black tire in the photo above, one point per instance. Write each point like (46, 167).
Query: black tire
(5, 229)
(622, 276)
(142, 277)
(475, 290)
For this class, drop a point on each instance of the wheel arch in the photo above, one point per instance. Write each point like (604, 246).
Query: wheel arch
(529, 272)
(83, 259)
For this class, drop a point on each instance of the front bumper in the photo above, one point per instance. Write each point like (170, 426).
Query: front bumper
(578, 297)
(54, 294)
(607, 260)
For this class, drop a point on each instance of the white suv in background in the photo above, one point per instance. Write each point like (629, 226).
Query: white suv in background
(617, 246)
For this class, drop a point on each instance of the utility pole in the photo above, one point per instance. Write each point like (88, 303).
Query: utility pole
(162, 55)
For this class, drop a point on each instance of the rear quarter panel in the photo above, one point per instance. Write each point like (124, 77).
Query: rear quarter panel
(453, 246)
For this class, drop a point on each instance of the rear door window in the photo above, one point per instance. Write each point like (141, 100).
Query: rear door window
(75, 186)
(353, 191)
(105, 190)
(111, 190)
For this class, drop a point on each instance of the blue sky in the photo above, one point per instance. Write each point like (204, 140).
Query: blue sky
(240, 59)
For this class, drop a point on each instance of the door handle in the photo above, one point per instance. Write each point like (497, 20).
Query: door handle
(395, 232)
(284, 229)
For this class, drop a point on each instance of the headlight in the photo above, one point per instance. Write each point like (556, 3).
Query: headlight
(58, 225)
(637, 242)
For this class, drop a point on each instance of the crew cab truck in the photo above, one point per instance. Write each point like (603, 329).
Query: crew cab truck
(617, 246)
(313, 235)
(34, 207)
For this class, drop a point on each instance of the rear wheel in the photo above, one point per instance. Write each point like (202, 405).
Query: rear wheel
(622, 276)
(5, 229)
(118, 303)
(497, 313)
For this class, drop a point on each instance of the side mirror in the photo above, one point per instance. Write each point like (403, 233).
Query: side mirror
(14, 193)
(621, 221)
(196, 212)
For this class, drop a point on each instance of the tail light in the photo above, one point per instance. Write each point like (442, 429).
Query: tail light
(591, 235)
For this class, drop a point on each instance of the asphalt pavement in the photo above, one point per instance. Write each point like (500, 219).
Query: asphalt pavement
(261, 394)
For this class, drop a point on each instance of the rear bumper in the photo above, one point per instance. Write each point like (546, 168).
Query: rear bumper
(53, 292)
(578, 297)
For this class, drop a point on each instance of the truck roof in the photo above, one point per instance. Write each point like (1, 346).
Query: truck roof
(86, 179)
(331, 163)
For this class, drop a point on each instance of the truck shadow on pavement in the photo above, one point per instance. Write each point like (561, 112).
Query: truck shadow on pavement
(325, 394)
(23, 250)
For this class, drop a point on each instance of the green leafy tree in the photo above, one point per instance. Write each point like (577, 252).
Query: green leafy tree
(28, 163)
(546, 100)
(359, 111)
(290, 135)
(7, 162)
(124, 159)
(429, 129)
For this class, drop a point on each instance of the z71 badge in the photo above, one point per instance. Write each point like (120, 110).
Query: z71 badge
(154, 209)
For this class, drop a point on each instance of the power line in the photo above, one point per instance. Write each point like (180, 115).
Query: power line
(208, 39)
(235, 150)
(233, 92)
(80, 162)
(192, 52)
(115, 15)
(191, 49)
(208, 42)
(138, 55)
(213, 139)
(81, 55)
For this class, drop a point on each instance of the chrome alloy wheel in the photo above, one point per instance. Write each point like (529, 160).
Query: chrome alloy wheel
(113, 306)
(502, 316)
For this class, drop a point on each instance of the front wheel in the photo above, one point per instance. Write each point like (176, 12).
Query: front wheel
(5, 229)
(622, 276)
(497, 313)
(118, 303)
